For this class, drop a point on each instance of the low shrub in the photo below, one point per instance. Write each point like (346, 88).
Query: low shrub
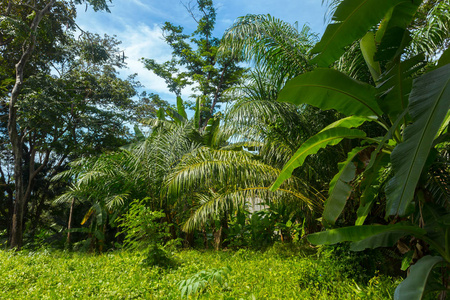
(145, 230)
(360, 266)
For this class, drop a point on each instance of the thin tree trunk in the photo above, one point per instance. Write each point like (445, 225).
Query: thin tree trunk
(15, 137)
(189, 240)
(217, 238)
(19, 203)
(69, 225)
(221, 235)
(216, 94)
(216, 97)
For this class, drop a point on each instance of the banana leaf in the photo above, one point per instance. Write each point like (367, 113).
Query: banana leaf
(368, 49)
(444, 59)
(349, 122)
(363, 232)
(429, 103)
(395, 85)
(328, 137)
(352, 20)
(413, 287)
(340, 189)
(393, 38)
(331, 89)
(370, 185)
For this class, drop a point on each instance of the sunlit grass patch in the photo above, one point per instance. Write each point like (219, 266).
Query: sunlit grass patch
(124, 275)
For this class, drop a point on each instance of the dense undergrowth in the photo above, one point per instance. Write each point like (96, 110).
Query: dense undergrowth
(243, 274)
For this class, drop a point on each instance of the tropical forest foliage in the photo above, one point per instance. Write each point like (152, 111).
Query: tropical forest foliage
(321, 161)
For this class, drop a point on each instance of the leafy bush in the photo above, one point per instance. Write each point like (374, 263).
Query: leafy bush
(145, 230)
(360, 266)
(158, 256)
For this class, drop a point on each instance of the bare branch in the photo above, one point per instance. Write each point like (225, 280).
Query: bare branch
(190, 9)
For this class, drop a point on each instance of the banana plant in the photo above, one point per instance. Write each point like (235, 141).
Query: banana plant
(408, 97)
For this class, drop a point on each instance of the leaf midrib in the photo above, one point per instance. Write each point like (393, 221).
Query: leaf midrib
(342, 92)
(316, 144)
(421, 138)
(340, 27)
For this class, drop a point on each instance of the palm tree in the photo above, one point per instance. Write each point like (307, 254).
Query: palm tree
(276, 47)
(112, 181)
(279, 51)
(219, 182)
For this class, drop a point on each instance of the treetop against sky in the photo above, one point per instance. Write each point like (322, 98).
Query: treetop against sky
(137, 23)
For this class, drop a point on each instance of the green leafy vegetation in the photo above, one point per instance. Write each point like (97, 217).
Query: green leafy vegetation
(341, 141)
(243, 274)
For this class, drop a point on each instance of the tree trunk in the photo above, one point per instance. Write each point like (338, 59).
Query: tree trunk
(216, 97)
(217, 238)
(221, 235)
(19, 203)
(15, 137)
(189, 240)
(69, 225)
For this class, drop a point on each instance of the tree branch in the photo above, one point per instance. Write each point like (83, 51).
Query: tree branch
(190, 10)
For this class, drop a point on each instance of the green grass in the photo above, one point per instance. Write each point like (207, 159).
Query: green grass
(123, 275)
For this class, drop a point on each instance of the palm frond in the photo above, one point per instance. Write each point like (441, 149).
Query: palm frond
(431, 32)
(212, 204)
(271, 43)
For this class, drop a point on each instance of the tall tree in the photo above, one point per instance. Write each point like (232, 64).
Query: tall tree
(29, 34)
(196, 62)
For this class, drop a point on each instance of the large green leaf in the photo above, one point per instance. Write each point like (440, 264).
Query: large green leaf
(444, 128)
(385, 239)
(138, 134)
(340, 189)
(413, 286)
(161, 114)
(352, 20)
(211, 131)
(358, 233)
(349, 122)
(324, 138)
(392, 35)
(175, 115)
(368, 49)
(434, 217)
(445, 58)
(331, 89)
(428, 105)
(399, 16)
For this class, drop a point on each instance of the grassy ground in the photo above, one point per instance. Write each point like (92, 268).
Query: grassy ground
(124, 275)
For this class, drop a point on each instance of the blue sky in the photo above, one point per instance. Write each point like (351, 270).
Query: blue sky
(137, 24)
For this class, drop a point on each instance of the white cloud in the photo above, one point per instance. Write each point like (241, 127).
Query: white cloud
(136, 23)
(140, 42)
(145, 41)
